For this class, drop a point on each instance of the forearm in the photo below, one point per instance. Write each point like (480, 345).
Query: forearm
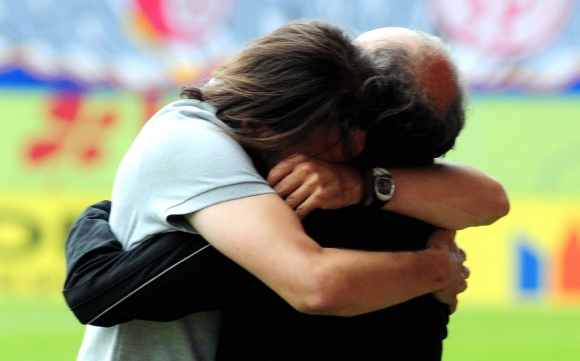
(265, 237)
(448, 195)
(360, 282)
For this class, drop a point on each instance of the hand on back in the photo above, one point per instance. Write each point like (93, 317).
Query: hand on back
(444, 240)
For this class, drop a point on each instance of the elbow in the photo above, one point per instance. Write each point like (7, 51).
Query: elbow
(503, 206)
(318, 304)
(323, 297)
(499, 205)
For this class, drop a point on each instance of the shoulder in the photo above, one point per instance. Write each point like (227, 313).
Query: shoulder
(185, 118)
(188, 127)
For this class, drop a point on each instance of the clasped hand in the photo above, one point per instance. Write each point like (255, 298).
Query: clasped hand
(454, 258)
(307, 184)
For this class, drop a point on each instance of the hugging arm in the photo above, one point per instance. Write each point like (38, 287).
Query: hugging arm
(175, 274)
(448, 195)
(265, 237)
(162, 279)
(445, 194)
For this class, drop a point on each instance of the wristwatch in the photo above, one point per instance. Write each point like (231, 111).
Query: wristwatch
(383, 187)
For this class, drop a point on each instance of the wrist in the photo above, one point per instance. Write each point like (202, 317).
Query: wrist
(366, 177)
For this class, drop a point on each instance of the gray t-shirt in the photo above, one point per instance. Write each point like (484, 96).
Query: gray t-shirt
(181, 161)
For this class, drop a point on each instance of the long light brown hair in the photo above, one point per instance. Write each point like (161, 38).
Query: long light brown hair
(303, 75)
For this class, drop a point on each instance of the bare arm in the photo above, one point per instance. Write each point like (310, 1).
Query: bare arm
(446, 194)
(264, 236)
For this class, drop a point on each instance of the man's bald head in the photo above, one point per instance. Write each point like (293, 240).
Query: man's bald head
(420, 96)
(384, 35)
(432, 66)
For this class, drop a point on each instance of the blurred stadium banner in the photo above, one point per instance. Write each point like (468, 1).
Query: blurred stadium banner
(160, 44)
(33, 228)
(531, 256)
(78, 80)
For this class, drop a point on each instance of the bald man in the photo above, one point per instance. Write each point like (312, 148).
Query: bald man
(420, 120)
(428, 112)
(421, 112)
(435, 72)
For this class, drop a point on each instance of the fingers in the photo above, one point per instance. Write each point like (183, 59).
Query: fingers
(284, 168)
(460, 272)
(453, 306)
(290, 184)
(300, 195)
(442, 239)
(461, 287)
(307, 184)
(300, 178)
(306, 207)
(449, 297)
(303, 183)
(465, 272)
(279, 172)
(307, 198)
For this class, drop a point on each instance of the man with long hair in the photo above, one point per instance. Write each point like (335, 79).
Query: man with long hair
(187, 171)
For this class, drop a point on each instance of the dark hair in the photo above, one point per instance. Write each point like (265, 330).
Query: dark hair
(411, 129)
(303, 75)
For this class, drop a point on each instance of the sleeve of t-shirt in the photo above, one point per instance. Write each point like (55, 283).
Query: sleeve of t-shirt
(190, 163)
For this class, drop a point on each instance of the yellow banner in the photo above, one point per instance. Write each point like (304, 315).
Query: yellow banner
(33, 229)
(531, 255)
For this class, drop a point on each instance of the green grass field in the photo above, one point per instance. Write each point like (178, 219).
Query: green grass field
(38, 331)
(517, 334)
(47, 331)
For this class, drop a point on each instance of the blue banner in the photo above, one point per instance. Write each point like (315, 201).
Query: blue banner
(155, 45)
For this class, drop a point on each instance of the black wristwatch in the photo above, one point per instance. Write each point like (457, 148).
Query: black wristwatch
(383, 188)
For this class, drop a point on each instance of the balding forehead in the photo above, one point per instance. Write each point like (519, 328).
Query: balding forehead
(387, 35)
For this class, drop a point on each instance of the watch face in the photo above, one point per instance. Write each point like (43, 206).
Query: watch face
(384, 187)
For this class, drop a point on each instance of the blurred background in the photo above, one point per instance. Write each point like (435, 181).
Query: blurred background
(78, 78)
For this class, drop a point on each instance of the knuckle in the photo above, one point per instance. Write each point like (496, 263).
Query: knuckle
(307, 167)
(291, 201)
(299, 156)
(321, 194)
(316, 178)
(302, 212)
